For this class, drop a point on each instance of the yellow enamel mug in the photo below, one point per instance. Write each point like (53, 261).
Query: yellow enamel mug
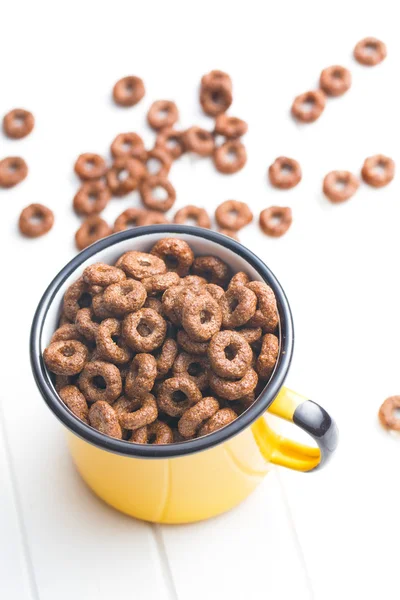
(197, 479)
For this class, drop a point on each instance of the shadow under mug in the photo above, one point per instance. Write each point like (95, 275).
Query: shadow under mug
(197, 479)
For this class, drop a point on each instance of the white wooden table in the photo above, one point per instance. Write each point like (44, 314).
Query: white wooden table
(328, 535)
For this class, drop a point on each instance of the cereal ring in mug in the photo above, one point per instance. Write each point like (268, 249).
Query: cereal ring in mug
(159, 283)
(221, 418)
(275, 220)
(165, 358)
(234, 389)
(230, 127)
(67, 331)
(109, 343)
(215, 98)
(99, 308)
(230, 157)
(266, 315)
(199, 140)
(128, 145)
(230, 355)
(284, 173)
(100, 380)
(176, 254)
(190, 346)
(35, 220)
(233, 215)
(139, 265)
(193, 213)
(91, 198)
(238, 306)
(125, 175)
(128, 91)
(150, 190)
(176, 395)
(239, 278)
(308, 107)
(171, 141)
(250, 334)
(378, 170)
(102, 417)
(194, 417)
(153, 303)
(158, 162)
(131, 217)
(146, 414)
(155, 433)
(66, 357)
(370, 51)
(145, 330)
(201, 317)
(339, 186)
(90, 166)
(335, 81)
(13, 170)
(75, 401)
(124, 297)
(86, 323)
(268, 356)
(91, 230)
(102, 274)
(216, 291)
(194, 367)
(213, 269)
(18, 123)
(162, 113)
(387, 413)
(141, 376)
(77, 296)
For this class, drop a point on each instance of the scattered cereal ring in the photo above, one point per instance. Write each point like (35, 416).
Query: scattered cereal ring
(335, 81)
(309, 106)
(215, 78)
(128, 145)
(177, 395)
(75, 401)
(233, 390)
(370, 51)
(66, 357)
(213, 269)
(387, 413)
(91, 230)
(339, 186)
(162, 113)
(229, 354)
(194, 367)
(221, 418)
(193, 417)
(153, 217)
(128, 91)
(230, 127)
(233, 215)
(215, 97)
(238, 306)
(100, 380)
(158, 162)
(13, 170)
(124, 297)
(378, 170)
(86, 323)
(146, 414)
(230, 157)
(109, 344)
(141, 375)
(148, 188)
(275, 220)
(266, 315)
(125, 175)
(131, 217)
(199, 140)
(35, 220)
(90, 166)
(190, 346)
(155, 433)
(145, 330)
(18, 123)
(103, 418)
(171, 141)
(68, 331)
(176, 254)
(159, 283)
(195, 213)
(91, 198)
(166, 357)
(268, 356)
(202, 317)
(284, 173)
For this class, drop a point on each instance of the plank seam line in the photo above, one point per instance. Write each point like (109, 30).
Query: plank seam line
(165, 564)
(18, 509)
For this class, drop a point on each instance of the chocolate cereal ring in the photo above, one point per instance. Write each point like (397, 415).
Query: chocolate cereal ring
(309, 106)
(91, 230)
(165, 358)
(216, 291)
(125, 404)
(128, 145)
(171, 141)
(86, 324)
(213, 269)
(284, 173)
(201, 317)
(193, 417)
(99, 308)
(370, 51)
(158, 162)
(176, 395)
(230, 157)
(18, 123)
(190, 346)
(141, 376)
(250, 334)
(221, 418)
(162, 113)
(149, 188)
(125, 175)
(67, 331)
(66, 357)
(193, 213)
(102, 274)
(124, 297)
(109, 344)
(240, 278)
(230, 355)
(275, 220)
(159, 283)
(387, 413)
(238, 306)
(139, 265)
(77, 296)
(339, 186)
(199, 140)
(146, 414)
(194, 367)
(153, 303)
(233, 214)
(215, 98)
(100, 380)
(170, 306)
(91, 198)
(268, 356)
(193, 281)
(145, 330)
(131, 217)
(103, 418)
(176, 254)
(13, 170)
(233, 390)
(35, 220)
(378, 170)
(230, 127)
(90, 166)
(335, 80)
(266, 315)
(215, 78)
(155, 433)
(75, 401)
(128, 91)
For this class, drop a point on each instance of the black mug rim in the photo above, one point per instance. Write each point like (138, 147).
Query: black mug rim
(122, 447)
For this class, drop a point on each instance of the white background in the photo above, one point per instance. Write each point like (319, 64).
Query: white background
(328, 535)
